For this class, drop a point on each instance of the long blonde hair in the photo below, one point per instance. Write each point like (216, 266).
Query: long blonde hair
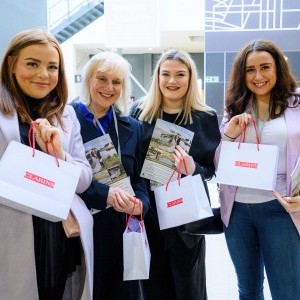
(151, 104)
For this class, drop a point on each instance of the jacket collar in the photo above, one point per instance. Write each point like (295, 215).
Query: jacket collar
(125, 131)
(291, 116)
(89, 132)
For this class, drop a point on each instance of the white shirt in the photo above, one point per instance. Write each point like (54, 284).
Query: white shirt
(272, 132)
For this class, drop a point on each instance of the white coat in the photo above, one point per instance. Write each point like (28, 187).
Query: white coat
(18, 271)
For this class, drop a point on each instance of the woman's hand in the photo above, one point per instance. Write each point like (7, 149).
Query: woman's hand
(236, 125)
(45, 133)
(183, 162)
(122, 201)
(291, 204)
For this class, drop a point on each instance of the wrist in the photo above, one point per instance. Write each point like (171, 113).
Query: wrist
(193, 169)
(62, 156)
(229, 137)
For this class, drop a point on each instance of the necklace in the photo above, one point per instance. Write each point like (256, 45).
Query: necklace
(177, 116)
(260, 128)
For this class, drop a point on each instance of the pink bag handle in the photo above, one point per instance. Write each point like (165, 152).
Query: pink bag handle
(242, 137)
(178, 173)
(31, 139)
(128, 217)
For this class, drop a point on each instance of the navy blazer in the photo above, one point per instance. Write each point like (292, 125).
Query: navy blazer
(129, 132)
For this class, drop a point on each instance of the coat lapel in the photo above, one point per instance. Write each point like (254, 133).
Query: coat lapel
(89, 132)
(293, 147)
(124, 132)
(10, 127)
(17, 232)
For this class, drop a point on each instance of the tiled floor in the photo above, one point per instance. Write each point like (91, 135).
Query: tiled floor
(221, 278)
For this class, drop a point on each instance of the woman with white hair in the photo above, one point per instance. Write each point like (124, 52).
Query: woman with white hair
(103, 109)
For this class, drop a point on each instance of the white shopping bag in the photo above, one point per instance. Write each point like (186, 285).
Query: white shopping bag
(248, 165)
(182, 201)
(36, 184)
(136, 251)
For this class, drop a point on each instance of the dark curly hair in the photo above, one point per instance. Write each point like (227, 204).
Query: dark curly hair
(237, 93)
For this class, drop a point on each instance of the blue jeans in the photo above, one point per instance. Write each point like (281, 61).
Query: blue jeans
(263, 236)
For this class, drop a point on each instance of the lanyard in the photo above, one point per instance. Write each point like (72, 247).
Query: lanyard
(116, 127)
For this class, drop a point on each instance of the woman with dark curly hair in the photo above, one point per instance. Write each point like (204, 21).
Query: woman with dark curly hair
(261, 235)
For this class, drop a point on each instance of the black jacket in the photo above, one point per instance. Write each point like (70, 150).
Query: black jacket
(206, 139)
(109, 224)
(129, 136)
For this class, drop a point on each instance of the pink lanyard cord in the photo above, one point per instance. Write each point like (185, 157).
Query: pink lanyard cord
(31, 139)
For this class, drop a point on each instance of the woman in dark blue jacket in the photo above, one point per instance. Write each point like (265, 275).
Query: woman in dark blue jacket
(177, 269)
(102, 110)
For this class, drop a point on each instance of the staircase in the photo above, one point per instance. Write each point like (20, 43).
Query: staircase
(66, 19)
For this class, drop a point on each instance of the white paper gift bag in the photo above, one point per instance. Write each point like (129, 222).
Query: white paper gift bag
(36, 184)
(248, 165)
(182, 201)
(136, 251)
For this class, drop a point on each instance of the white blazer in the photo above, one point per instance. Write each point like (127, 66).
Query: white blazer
(18, 272)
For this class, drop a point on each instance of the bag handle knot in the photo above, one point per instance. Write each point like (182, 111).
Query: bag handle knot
(178, 172)
(242, 137)
(31, 139)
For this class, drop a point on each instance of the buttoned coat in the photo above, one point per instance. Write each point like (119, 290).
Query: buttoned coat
(18, 271)
(109, 224)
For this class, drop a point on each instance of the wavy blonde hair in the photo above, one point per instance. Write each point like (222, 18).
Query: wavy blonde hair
(151, 104)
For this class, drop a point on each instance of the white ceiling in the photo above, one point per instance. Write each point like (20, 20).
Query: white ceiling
(154, 24)
(184, 40)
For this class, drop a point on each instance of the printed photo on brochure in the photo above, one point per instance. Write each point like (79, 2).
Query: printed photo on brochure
(159, 162)
(106, 164)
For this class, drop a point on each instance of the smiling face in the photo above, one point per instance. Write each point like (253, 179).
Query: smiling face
(261, 74)
(36, 70)
(105, 89)
(174, 78)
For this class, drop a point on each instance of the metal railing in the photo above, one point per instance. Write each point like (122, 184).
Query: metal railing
(61, 10)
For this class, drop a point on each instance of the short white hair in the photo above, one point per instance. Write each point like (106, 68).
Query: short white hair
(108, 61)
